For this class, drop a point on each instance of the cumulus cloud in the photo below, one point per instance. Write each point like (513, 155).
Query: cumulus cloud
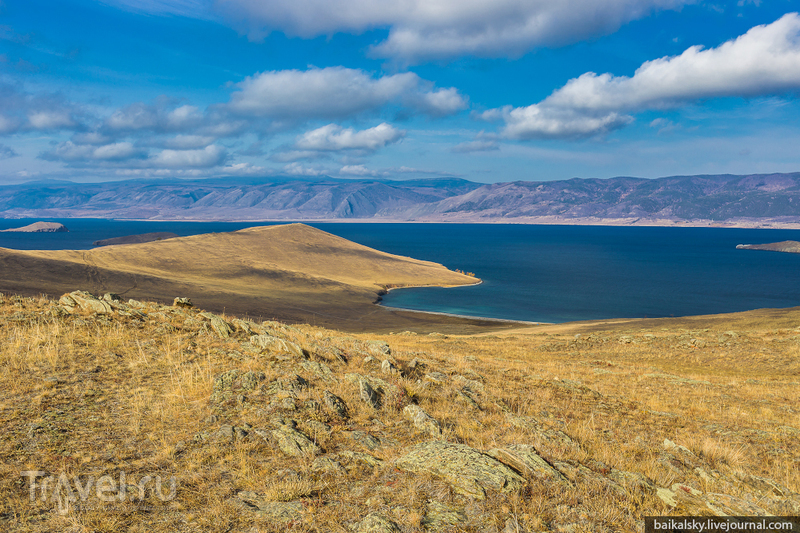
(334, 138)
(363, 171)
(157, 117)
(187, 142)
(125, 154)
(210, 156)
(298, 169)
(431, 29)
(21, 111)
(764, 61)
(337, 92)
(245, 169)
(50, 120)
(72, 152)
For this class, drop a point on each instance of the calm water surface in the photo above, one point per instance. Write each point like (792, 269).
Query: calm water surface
(540, 273)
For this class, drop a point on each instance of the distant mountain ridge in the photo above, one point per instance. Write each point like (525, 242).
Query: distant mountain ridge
(754, 199)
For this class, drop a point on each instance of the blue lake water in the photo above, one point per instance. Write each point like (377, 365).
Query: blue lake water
(540, 273)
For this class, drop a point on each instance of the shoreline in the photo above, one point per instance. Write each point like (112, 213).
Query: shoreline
(767, 223)
(469, 317)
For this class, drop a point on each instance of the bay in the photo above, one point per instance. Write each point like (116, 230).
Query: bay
(539, 273)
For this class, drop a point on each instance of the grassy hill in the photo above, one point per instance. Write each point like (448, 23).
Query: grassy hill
(269, 427)
(291, 272)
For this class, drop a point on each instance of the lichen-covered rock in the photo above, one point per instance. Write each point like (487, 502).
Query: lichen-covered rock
(524, 459)
(579, 473)
(422, 420)
(180, 301)
(274, 344)
(335, 404)
(442, 517)
(376, 523)
(86, 302)
(633, 481)
(292, 442)
(469, 471)
(352, 459)
(283, 513)
(368, 394)
(321, 370)
(326, 465)
(222, 328)
(436, 377)
(378, 348)
(690, 501)
(387, 367)
(245, 326)
(363, 438)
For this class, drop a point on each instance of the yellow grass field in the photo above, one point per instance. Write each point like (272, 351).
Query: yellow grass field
(657, 417)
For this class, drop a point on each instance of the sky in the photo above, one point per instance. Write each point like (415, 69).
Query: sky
(489, 91)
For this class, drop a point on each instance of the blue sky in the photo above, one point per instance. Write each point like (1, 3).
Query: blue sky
(487, 91)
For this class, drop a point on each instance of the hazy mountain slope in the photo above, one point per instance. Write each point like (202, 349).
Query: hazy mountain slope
(679, 197)
(773, 197)
(220, 199)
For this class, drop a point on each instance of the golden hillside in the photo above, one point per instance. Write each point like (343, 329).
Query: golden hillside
(266, 427)
(289, 272)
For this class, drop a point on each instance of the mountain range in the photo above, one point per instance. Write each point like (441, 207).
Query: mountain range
(756, 199)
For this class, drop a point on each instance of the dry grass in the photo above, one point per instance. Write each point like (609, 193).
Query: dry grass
(88, 395)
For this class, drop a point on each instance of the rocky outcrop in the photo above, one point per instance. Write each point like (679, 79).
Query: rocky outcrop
(422, 420)
(524, 459)
(376, 523)
(466, 470)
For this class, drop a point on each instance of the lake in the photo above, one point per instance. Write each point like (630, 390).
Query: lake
(539, 273)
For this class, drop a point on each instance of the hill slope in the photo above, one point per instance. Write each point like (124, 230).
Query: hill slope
(264, 427)
(292, 272)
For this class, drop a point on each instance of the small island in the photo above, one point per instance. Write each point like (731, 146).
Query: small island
(792, 247)
(39, 227)
(136, 239)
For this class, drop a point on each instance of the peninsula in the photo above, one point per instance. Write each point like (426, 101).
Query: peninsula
(792, 247)
(292, 272)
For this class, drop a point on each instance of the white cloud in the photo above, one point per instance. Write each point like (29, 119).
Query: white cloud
(333, 138)
(156, 117)
(72, 152)
(297, 169)
(358, 170)
(210, 156)
(764, 61)
(429, 29)
(337, 92)
(50, 120)
(363, 171)
(116, 151)
(187, 142)
(245, 169)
